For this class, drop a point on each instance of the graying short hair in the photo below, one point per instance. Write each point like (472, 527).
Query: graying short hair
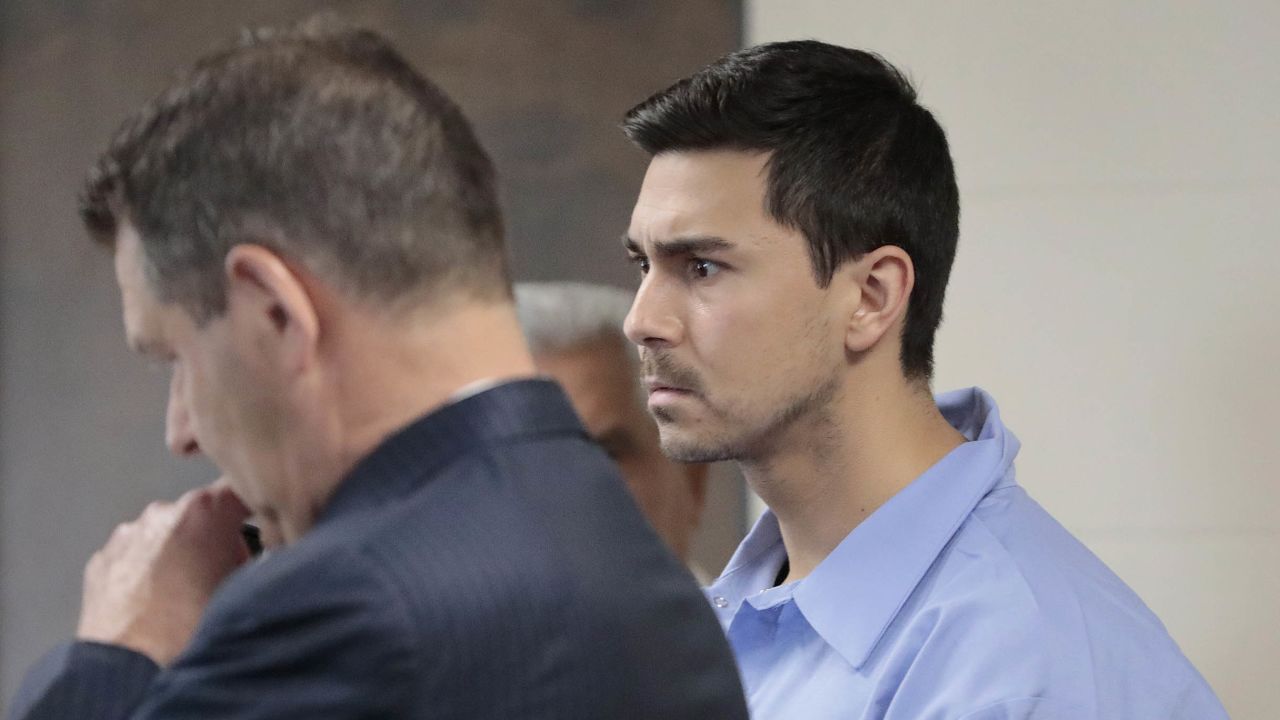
(319, 142)
(559, 316)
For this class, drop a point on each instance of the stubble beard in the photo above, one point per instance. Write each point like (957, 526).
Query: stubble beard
(742, 440)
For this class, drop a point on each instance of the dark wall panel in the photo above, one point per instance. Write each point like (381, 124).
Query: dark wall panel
(81, 421)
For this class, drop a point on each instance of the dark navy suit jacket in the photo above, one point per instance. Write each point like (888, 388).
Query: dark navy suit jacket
(484, 562)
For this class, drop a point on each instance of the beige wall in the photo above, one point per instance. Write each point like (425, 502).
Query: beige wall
(1115, 287)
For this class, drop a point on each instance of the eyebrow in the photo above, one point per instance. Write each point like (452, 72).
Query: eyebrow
(696, 245)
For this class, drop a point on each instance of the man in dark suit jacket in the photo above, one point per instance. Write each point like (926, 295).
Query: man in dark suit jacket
(305, 230)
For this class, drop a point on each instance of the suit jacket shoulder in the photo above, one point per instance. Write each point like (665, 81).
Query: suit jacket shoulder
(484, 562)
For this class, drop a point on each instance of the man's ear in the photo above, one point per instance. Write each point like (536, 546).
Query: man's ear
(272, 299)
(884, 278)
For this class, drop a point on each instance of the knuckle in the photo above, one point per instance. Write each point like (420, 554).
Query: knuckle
(229, 503)
(198, 498)
(94, 565)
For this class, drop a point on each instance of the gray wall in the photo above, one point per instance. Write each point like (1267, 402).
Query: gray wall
(81, 421)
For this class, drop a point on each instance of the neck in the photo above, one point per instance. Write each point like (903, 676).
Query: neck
(870, 446)
(382, 374)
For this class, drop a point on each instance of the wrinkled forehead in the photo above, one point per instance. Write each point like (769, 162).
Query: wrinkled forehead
(700, 193)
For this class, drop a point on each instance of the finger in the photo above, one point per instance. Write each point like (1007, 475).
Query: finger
(157, 519)
(230, 504)
(156, 509)
(228, 500)
(93, 566)
(119, 531)
(214, 516)
(220, 507)
(122, 534)
(206, 500)
(219, 515)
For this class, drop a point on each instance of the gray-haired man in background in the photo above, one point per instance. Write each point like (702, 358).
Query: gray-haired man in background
(575, 332)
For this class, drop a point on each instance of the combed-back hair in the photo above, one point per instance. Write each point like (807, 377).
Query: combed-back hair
(855, 163)
(319, 142)
(559, 316)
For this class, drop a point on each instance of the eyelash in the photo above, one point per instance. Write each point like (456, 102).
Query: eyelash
(706, 271)
(643, 263)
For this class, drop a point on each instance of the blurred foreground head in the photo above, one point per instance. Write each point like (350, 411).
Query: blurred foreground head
(303, 228)
(575, 332)
(319, 143)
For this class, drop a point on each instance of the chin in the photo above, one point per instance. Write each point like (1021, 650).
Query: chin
(682, 448)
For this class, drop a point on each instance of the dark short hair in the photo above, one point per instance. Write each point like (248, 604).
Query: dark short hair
(320, 143)
(855, 163)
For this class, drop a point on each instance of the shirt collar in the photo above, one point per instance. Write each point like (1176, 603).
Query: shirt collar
(494, 413)
(855, 592)
(752, 568)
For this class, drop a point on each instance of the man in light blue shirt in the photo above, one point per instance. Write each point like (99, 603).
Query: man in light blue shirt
(794, 233)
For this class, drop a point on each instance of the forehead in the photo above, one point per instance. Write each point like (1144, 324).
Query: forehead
(140, 307)
(716, 193)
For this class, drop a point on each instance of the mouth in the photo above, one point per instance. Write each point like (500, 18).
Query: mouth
(664, 393)
(654, 385)
(667, 382)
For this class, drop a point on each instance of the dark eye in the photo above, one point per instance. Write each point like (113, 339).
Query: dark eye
(642, 262)
(703, 268)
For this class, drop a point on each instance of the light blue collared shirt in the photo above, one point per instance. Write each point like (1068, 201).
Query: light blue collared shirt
(959, 598)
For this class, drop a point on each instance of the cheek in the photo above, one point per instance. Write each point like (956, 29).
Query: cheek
(219, 390)
(724, 336)
(745, 347)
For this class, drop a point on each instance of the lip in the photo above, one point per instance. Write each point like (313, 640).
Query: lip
(661, 393)
(654, 385)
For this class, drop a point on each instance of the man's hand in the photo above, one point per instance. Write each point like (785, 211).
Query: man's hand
(148, 586)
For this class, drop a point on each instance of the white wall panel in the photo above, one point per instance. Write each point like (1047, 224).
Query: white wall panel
(1116, 285)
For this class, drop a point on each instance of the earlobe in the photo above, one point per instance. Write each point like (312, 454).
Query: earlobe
(264, 290)
(884, 279)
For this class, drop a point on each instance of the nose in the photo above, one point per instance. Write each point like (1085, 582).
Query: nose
(652, 321)
(179, 435)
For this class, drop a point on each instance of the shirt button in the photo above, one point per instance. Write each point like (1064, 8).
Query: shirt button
(720, 601)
